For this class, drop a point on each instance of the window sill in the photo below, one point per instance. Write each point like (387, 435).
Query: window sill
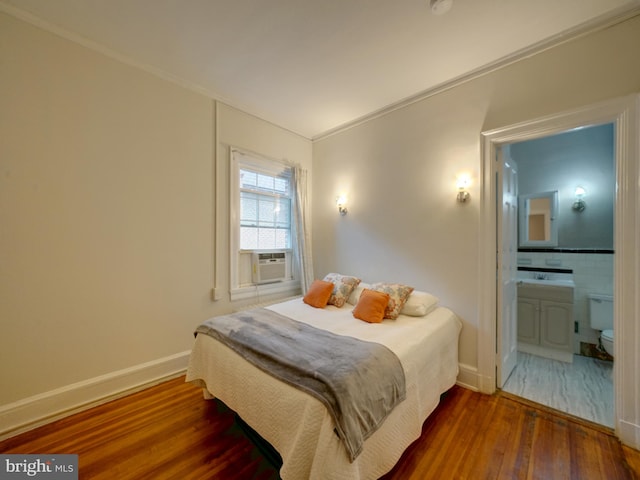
(259, 293)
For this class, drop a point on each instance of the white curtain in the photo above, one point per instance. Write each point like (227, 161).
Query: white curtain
(302, 243)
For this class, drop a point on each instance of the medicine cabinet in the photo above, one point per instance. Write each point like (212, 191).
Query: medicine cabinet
(537, 219)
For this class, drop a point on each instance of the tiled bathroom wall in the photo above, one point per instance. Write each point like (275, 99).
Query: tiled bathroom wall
(592, 273)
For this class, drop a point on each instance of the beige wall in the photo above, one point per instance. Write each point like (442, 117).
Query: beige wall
(107, 206)
(399, 170)
(106, 177)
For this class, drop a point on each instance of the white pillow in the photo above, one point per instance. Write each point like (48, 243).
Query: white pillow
(418, 304)
(355, 294)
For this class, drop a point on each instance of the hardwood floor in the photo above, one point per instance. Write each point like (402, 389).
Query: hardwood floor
(169, 431)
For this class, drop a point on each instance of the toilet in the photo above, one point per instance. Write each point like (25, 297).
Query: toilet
(601, 318)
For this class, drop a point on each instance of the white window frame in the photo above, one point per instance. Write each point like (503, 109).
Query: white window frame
(242, 159)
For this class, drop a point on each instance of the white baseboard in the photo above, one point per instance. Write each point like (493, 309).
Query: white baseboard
(32, 412)
(468, 377)
(629, 434)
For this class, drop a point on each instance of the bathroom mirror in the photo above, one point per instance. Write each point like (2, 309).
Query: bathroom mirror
(536, 219)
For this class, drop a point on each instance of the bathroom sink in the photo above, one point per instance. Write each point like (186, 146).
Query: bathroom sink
(550, 283)
(545, 279)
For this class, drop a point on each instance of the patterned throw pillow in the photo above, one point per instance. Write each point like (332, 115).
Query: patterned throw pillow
(398, 295)
(343, 286)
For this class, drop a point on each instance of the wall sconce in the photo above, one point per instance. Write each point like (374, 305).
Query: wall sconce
(341, 202)
(579, 205)
(463, 183)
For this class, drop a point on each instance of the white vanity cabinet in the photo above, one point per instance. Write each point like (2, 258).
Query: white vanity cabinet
(528, 320)
(545, 320)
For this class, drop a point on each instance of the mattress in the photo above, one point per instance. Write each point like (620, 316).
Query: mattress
(299, 427)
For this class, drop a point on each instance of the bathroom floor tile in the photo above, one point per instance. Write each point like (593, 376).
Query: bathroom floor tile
(583, 388)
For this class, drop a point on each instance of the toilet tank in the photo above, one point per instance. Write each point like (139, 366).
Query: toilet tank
(600, 311)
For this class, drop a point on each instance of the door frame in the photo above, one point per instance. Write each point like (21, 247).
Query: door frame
(624, 113)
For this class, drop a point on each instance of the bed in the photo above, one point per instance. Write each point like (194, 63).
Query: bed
(298, 425)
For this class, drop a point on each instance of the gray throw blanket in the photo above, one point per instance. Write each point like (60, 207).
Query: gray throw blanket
(359, 382)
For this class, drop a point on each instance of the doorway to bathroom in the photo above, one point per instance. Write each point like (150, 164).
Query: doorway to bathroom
(564, 201)
(624, 113)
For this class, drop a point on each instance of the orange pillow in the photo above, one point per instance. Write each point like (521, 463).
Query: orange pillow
(371, 306)
(318, 294)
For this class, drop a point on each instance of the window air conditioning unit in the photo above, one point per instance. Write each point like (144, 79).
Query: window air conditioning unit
(269, 267)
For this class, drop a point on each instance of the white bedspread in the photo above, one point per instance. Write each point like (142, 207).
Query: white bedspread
(299, 426)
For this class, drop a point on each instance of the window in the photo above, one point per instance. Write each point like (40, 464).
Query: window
(265, 198)
(261, 215)
(265, 209)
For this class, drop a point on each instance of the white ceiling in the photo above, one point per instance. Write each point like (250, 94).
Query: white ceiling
(313, 66)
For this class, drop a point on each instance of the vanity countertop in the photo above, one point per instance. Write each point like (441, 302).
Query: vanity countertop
(546, 279)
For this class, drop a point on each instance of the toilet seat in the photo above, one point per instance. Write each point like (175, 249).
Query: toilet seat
(607, 335)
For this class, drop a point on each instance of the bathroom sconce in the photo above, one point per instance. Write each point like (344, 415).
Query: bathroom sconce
(462, 184)
(341, 202)
(579, 205)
